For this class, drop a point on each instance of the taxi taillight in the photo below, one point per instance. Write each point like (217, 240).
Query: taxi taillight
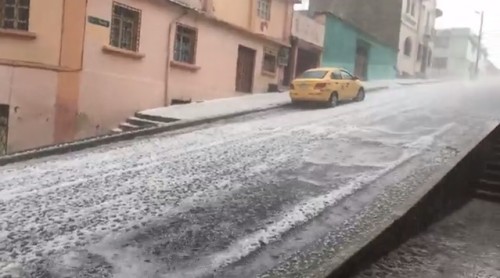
(319, 86)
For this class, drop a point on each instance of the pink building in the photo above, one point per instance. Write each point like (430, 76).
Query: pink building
(72, 69)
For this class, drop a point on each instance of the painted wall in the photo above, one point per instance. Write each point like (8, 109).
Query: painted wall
(340, 50)
(50, 59)
(113, 87)
(31, 119)
(217, 79)
(243, 13)
(45, 22)
(238, 12)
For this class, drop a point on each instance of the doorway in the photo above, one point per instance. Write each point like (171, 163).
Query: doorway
(306, 59)
(4, 128)
(361, 63)
(245, 68)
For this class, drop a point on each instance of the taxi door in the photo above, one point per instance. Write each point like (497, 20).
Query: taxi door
(351, 87)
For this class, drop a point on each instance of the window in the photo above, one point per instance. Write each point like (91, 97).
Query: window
(264, 9)
(407, 47)
(269, 64)
(336, 75)
(185, 44)
(346, 75)
(413, 8)
(125, 27)
(14, 14)
(440, 63)
(429, 57)
(313, 74)
(408, 6)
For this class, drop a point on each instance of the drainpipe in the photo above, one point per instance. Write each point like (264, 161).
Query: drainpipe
(171, 26)
(419, 22)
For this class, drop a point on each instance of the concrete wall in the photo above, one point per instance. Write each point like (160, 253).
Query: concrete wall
(308, 29)
(113, 86)
(340, 50)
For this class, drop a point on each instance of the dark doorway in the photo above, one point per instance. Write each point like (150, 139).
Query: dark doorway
(423, 63)
(245, 68)
(361, 63)
(4, 128)
(306, 59)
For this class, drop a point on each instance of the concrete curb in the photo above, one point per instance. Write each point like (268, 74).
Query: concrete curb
(442, 193)
(112, 138)
(124, 136)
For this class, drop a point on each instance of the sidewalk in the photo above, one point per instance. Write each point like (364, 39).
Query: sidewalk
(247, 103)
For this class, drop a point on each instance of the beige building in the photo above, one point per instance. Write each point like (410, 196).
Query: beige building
(72, 69)
(307, 39)
(415, 39)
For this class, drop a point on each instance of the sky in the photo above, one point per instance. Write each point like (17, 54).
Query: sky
(462, 13)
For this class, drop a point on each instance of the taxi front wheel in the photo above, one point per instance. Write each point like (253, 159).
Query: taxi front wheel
(360, 96)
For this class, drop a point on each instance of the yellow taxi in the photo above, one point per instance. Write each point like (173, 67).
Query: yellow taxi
(326, 85)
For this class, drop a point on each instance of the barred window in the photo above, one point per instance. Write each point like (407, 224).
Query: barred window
(264, 9)
(14, 14)
(125, 27)
(269, 61)
(185, 44)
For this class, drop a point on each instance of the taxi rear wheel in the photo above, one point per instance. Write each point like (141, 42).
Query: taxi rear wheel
(333, 101)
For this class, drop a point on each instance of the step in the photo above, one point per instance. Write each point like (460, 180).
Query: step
(127, 126)
(117, 130)
(142, 122)
(493, 165)
(489, 186)
(493, 182)
(491, 175)
(487, 196)
(155, 118)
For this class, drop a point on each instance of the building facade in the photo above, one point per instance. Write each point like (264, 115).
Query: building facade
(416, 37)
(455, 54)
(307, 40)
(361, 36)
(349, 48)
(92, 63)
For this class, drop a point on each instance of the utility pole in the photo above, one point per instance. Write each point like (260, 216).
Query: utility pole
(480, 38)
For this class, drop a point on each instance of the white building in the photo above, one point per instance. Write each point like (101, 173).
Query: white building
(455, 53)
(415, 40)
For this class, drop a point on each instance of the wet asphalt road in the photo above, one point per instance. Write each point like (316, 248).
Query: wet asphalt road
(272, 194)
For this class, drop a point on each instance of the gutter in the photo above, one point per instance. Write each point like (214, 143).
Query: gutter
(171, 26)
